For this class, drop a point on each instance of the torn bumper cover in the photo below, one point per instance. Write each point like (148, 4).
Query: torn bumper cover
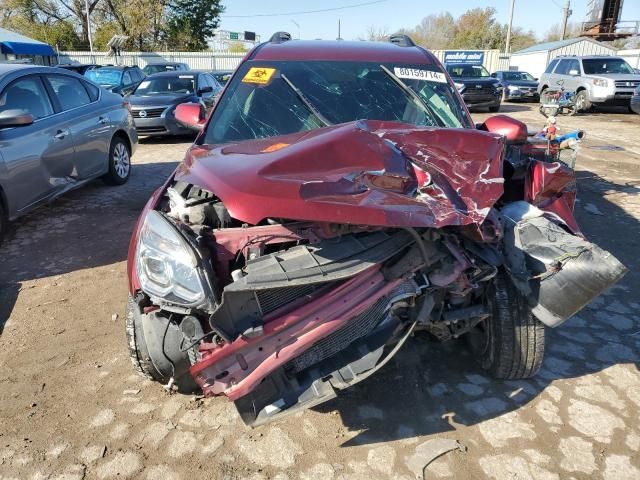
(558, 272)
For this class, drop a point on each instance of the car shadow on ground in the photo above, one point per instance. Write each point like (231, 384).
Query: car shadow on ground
(85, 228)
(433, 388)
(169, 140)
(510, 107)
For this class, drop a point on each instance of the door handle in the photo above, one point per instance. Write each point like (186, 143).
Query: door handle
(61, 134)
(103, 120)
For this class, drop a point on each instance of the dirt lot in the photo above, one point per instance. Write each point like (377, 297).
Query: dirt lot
(71, 406)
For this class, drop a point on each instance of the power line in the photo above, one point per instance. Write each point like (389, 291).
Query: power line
(304, 12)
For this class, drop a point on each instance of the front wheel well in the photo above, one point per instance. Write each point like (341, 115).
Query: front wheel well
(580, 89)
(123, 135)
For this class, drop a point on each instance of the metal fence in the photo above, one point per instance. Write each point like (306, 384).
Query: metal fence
(195, 60)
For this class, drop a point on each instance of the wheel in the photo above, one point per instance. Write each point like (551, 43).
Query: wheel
(150, 356)
(119, 162)
(4, 221)
(548, 111)
(510, 343)
(572, 110)
(582, 101)
(495, 108)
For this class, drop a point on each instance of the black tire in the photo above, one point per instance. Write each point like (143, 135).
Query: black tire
(510, 343)
(119, 162)
(494, 109)
(141, 358)
(4, 221)
(582, 101)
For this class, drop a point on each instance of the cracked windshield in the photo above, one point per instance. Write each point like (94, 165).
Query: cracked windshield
(278, 98)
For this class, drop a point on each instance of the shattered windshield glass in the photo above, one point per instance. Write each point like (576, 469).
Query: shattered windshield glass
(277, 98)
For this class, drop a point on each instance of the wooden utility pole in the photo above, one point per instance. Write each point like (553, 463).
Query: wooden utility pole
(566, 13)
(507, 48)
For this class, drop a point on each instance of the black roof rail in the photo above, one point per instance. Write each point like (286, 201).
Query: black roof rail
(401, 40)
(280, 37)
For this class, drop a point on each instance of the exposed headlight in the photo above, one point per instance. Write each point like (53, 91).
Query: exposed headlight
(600, 82)
(513, 88)
(459, 86)
(166, 263)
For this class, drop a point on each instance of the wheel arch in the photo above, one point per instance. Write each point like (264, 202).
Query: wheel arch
(122, 134)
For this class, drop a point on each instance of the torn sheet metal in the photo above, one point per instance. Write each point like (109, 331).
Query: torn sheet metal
(360, 173)
(558, 272)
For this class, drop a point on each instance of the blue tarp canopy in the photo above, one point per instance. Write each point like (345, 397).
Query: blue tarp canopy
(16, 44)
(20, 48)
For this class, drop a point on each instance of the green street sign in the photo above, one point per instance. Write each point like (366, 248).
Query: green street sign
(233, 35)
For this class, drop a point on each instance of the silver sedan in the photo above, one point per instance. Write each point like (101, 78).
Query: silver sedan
(58, 131)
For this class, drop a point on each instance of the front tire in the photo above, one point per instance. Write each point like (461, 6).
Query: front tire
(151, 356)
(582, 101)
(119, 162)
(494, 109)
(510, 343)
(4, 222)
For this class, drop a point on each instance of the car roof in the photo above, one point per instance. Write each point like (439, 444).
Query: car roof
(116, 67)
(164, 63)
(11, 67)
(341, 51)
(588, 57)
(175, 73)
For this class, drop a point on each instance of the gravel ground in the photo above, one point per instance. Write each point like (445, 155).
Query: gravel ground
(72, 408)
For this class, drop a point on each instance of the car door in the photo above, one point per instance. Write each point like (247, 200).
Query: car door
(208, 97)
(561, 74)
(38, 158)
(88, 121)
(572, 81)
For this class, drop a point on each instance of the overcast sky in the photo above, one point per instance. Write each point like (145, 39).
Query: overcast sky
(536, 15)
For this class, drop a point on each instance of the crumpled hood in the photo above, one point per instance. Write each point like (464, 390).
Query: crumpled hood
(364, 173)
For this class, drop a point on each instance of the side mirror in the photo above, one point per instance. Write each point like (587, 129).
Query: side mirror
(494, 75)
(536, 78)
(205, 90)
(190, 115)
(513, 130)
(574, 73)
(15, 118)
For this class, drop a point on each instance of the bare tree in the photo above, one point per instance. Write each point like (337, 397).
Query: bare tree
(376, 34)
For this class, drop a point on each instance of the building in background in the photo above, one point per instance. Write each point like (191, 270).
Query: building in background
(18, 48)
(536, 58)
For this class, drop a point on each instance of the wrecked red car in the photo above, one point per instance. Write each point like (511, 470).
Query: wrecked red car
(338, 199)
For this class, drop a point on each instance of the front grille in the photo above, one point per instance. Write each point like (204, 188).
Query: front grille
(357, 328)
(272, 299)
(151, 129)
(471, 89)
(154, 112)
(627, 83)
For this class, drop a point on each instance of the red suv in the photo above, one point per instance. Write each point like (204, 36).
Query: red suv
(337, 199)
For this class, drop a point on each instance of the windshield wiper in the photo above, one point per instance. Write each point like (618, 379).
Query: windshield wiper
(306, 102)
(411, 93)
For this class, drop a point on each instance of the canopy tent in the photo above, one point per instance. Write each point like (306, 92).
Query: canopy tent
(16, 44)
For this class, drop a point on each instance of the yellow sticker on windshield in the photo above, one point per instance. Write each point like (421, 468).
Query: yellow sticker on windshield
(259, 75)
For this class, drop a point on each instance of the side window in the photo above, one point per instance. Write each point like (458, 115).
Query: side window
(69, 91)
(94, 92)
(126, 78)
(139, 75)
(551, 66)
(563, 67)
(27, 94)
(574, 65)
(214, 83)
(204, 82)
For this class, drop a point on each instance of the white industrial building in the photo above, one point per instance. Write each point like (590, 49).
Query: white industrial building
(536, 58)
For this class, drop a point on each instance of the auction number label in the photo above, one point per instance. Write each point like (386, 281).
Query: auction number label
(417, 74)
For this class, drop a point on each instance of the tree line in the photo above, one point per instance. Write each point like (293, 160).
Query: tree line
(477, 28)
(149, 24)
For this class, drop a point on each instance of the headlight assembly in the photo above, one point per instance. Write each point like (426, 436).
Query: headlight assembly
(600, 82)
(166, 264)
(513, 88)
(459, 86)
